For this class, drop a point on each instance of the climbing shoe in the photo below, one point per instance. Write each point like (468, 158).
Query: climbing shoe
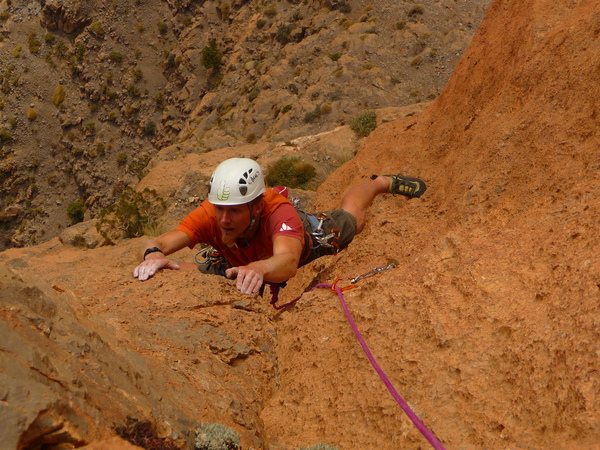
(407, 186)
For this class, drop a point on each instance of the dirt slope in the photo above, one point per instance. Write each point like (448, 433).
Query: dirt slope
(489, 327)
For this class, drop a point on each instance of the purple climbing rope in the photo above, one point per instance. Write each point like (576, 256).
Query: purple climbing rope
(435, 443)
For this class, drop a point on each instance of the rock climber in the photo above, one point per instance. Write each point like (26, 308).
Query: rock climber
(256, 235)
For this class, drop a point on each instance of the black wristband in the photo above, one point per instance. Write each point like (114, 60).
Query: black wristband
(151, 250)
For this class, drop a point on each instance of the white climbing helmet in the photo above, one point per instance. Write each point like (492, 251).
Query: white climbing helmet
(236, 181)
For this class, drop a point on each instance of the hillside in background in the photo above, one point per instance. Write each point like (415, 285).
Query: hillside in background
(488, 326)
(92, 90)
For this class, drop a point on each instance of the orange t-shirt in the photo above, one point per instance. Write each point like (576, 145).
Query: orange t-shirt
(279, 217)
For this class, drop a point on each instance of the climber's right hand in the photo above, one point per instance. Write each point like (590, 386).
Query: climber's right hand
(151, 265)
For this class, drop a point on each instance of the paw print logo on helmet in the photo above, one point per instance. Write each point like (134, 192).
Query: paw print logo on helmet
(236, 181)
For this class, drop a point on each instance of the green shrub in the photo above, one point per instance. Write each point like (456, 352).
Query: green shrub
(291, 172)
(282, 35)
(211, 56)
(225, 10)
(417, 9)
(162, 28)
(364, 123)
(31, 114)
(34, 43)
(116, 56)
(149, 128)
(344, 7)
(131, 215)
(59, 95)
(5, 135)
(96, 28)
(76, 211)
(138, 75)
(49, 38)
(215, 436)
(122, 159)
(89, 128)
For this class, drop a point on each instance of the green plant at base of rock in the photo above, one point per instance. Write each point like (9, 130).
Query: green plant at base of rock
(211, 56)
(364, 123)
(131, 215)
(76, 210)
(216, 436)
(290, 172)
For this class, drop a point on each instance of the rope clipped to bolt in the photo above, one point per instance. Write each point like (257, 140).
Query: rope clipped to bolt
(435, 443)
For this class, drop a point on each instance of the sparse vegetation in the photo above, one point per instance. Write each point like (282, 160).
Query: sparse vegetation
(211, 56)
(5, 135)
(96, 28)
(31, 114)
(149, 128)
(34, 43)
(59, 95)
(291, 172)
(225, 10)
(364, 123)
(131, 214)
(76, 211)
(216, 436)
(162, 28)
(116, 56)
(415, 10)
(282, 35)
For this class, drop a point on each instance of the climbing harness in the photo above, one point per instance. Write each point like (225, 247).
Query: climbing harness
(435, 443)
(214, 262)
(329, 240)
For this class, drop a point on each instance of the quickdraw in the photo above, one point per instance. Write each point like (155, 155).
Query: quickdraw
(334, 286)
(392, 263)
(211, 256)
